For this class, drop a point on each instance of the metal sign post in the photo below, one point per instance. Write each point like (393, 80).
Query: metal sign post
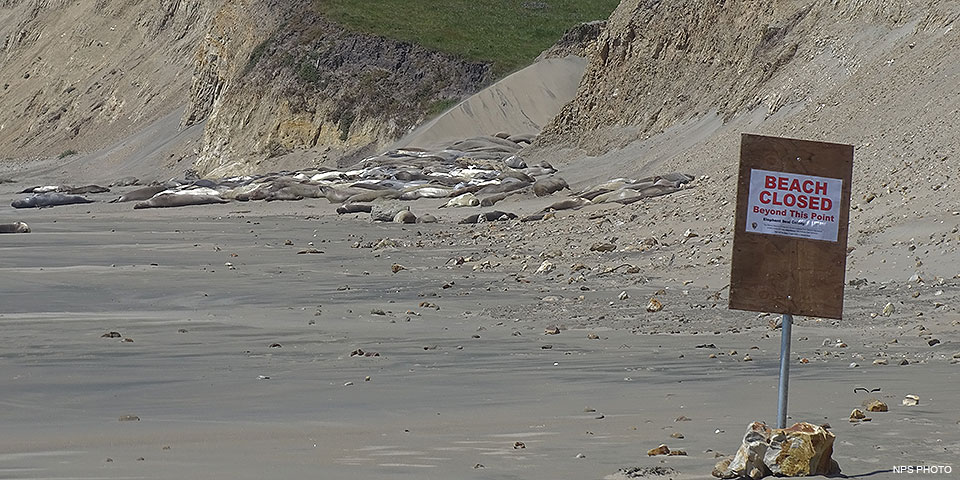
(790, 234)
(784, 370)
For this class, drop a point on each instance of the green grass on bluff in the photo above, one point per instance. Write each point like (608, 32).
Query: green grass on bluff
(508, 33)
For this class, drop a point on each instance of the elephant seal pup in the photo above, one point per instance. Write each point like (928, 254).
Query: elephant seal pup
(142, 193)
(15, 227)
(52, 199)
(549, 185)
(179, 199)
(494, 216)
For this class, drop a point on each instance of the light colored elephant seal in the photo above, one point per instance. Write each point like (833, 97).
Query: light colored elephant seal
(15, 227)
(465, 200)
(142, 193)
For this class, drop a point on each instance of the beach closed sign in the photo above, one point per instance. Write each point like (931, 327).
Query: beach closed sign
(790, 230)
(794, 205)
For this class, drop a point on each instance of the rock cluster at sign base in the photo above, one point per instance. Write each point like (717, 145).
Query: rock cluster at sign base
(801, 450)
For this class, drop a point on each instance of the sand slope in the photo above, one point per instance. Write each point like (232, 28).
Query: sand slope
(521, 103)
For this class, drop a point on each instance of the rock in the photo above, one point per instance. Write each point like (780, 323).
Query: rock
(677, 435)
(880, 361)
(888, 309)
(874, 405)
(552, 330)
(129, 418)
(111, 335)
(623, 296)
(661, 450)
(933, 341)
(904, 362)
(911, 401)
(857, 414)
(593, 336)
(654, 305)
(748, 461)
(386, 212)
(603, 247)
(519, 445)
(801, 450)
(396, 267)
(747, 358)
(546, 267)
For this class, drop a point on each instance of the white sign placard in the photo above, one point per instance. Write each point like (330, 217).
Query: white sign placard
(792, 205)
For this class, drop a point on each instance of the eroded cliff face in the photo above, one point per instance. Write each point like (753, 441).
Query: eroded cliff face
(75, 74)
(265, 78)
(306, 83)
(659, 64)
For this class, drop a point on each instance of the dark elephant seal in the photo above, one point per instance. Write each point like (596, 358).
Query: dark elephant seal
(167, 200)
(15, 227)
(52, 199)
(549, 185)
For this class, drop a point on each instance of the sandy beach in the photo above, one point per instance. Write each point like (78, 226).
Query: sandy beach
(237, 356)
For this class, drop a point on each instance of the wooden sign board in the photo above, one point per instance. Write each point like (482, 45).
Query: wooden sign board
(790, 237)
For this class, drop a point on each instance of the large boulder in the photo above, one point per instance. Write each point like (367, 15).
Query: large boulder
(801, 450)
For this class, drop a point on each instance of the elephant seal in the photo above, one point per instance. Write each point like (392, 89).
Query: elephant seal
(427, 218)
(549, 185)
(465, 200)
(51, 199)
(568, 204)
(354, 208)
(180, 199)
(405, 216)
(83, 190)
(142, 193)
(126, 182)
(41, 189)
(371, 195)
(494, 216)
(15, 227)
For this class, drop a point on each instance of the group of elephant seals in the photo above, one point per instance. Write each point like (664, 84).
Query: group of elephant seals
(15, 227)
(51, 199)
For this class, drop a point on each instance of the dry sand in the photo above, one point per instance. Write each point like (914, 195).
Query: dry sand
(454, 388)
